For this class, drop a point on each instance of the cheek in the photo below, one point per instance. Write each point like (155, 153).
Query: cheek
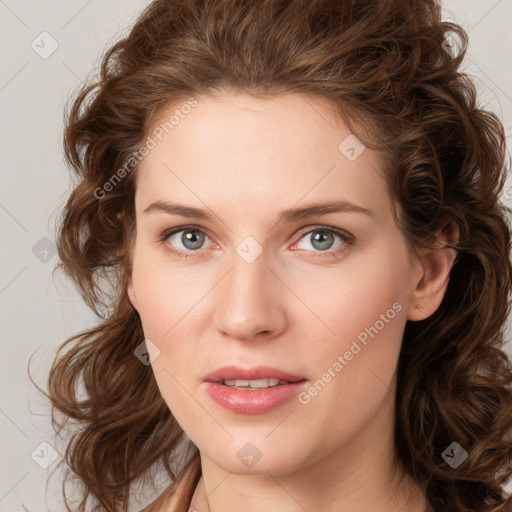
(177, 391)
(354, 298)
(365, 310)
(353, 369)
(336, 303)
(167, 296)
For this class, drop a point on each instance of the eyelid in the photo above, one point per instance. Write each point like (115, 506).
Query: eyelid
(347, 240)
(319, 227)
(164, 236)
(345, 236)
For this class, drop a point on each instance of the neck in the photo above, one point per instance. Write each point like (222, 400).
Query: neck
(361, 475)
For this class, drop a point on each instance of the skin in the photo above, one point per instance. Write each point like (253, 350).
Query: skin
(296, 307)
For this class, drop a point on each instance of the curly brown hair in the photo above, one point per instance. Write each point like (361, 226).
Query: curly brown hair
(384, 66)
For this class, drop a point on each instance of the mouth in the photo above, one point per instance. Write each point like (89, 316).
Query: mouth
(253, 384)
(252, 391)
(253, 378)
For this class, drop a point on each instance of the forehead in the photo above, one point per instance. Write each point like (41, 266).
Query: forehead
(259, 151)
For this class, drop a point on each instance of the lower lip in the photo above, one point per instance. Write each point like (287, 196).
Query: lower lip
(252, 401)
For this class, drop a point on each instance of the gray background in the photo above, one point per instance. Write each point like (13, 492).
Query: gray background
(37, 311)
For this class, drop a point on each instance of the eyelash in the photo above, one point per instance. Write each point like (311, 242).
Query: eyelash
(345, 237)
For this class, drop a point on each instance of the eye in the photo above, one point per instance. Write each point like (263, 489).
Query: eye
(184, 239)
(323, 239)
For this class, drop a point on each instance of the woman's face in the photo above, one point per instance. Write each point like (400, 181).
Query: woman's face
(255, 280)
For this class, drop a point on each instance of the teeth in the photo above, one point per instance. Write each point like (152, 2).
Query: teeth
(254, 384)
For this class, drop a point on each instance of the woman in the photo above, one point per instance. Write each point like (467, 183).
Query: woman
(295, 206)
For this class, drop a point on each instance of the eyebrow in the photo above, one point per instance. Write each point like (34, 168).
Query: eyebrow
(290, 215)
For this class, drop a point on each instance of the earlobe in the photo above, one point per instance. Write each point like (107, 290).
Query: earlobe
(437, 264)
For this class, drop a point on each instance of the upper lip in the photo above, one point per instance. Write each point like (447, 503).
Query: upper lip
(259, 372)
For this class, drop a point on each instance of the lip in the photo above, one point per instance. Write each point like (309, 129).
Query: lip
(252, 401)
(259, 372)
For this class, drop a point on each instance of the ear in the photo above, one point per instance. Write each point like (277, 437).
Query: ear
(436, 264)
(130, 289)
(131, 294)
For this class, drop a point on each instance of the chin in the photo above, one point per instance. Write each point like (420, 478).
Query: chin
(256, 454)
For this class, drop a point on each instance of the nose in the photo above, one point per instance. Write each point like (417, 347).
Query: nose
(250, 301)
